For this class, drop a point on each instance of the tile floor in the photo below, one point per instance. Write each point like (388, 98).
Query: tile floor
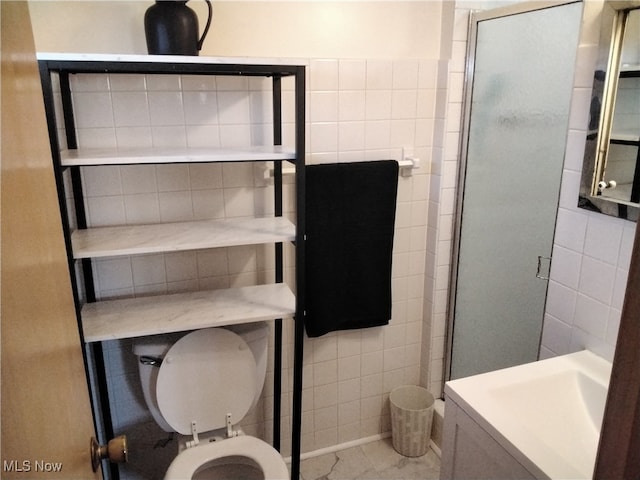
(371, 461)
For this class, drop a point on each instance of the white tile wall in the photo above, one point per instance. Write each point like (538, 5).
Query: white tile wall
(591, 252)
(357, 110)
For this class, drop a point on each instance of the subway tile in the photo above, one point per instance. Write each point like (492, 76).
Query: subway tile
(324, 74)
(404, 104)
(352, 74)
(323, 106)
(603, 239)
(236, 135)
(570, 190)
(101, 180)
(242, 259)
(405, 74)
(619, 288)
(166, 108)
(556, 335)
(130, 109)
(93, 109)
(349, 390)
(378, 104)
(349, 343)
(325, 395)
(89, 83)
(325, 417)
(377, 134)
(379, 74)
(325, 372)
(199, 83)
(574, 155)
(127, 137)
(591, 316)
(200, 108)
(597, 279)
(175, 206)
(571, 227)
(208, 204)
(371, 363)
(172, 177)
(565, 267)
(105, 211)
(138, 179)
(232, 84)
(164, 82)
(349, 368)
(114, 273)
(351, 105)
(324, 137)
(169, 136)
(181, 266)
(371, 385)
(561, 302)
(142, 208)
(351, 136)
(148, 269)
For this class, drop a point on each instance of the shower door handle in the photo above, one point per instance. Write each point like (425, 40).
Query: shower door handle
(538, 271)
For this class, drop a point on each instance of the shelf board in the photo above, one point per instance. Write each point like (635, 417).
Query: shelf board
(128, 156)
(179, 236)
(174, 59)
(625, 135)
(137, 317)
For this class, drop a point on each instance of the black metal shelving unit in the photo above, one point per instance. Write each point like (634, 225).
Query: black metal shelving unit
(64, 66)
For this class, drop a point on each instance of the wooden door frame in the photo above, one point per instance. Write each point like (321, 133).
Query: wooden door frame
(45, 412)
(619, 448)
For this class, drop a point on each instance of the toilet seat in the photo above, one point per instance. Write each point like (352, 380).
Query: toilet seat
(204, 376)
(266, 458)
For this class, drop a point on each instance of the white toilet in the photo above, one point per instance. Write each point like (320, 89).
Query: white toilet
(201, 385)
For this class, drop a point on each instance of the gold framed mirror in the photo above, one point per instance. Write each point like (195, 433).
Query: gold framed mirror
(611, 169)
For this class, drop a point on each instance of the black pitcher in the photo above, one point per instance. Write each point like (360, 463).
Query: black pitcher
(171, 28)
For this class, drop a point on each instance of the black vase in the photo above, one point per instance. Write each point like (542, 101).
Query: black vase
(171, 28)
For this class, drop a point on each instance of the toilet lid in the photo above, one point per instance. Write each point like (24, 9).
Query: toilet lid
(205, 375)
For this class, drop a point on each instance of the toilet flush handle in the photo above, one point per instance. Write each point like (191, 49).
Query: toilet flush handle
(153, 361)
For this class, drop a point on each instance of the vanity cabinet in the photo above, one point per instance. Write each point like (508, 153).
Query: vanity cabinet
(150, 315)
(469, 451)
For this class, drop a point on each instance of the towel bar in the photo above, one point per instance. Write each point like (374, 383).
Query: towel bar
(407, 165)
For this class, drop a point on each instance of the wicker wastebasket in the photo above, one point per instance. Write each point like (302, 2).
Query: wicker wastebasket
(411, 419)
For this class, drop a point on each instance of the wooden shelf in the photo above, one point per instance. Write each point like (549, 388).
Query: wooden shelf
(136, 317)
(131, 156)
(179, 236)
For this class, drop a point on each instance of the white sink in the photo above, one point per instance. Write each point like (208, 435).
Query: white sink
(548, 411)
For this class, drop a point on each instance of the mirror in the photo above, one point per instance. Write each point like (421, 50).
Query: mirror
(611, 169)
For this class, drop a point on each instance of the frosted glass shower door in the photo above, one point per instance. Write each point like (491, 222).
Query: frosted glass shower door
(515, 143)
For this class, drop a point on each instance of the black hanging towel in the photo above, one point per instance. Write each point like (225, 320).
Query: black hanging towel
(350, 215)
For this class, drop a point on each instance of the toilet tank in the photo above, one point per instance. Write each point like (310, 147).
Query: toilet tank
(150, 352)
(257, 337)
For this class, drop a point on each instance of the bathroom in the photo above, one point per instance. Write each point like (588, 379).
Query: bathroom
(370, 95)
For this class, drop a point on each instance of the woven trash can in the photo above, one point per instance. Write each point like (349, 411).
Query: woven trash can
(411, 419)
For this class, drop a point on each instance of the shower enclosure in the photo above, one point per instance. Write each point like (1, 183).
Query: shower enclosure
(520, 69)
